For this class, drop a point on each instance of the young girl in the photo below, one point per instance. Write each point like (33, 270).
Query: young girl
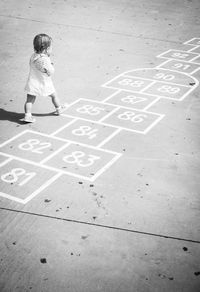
(39, 81)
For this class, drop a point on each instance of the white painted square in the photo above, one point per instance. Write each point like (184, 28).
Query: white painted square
(132, 100)
(178, 55)
(83, 162)
(21, 181)
(134, 120)
(170, 91)
(128, 83)
(31, 146)
(181, 66)
(89, 109)
(86, 132)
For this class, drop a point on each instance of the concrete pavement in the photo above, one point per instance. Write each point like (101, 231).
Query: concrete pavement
(105, 197)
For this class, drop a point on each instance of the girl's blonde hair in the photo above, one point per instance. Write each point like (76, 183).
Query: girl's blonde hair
(41, 42)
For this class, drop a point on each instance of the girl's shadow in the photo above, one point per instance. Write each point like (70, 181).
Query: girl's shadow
(15, 117)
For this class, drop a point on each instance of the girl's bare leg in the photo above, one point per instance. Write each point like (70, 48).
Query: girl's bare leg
(29, 103)
(28, 109)
(55, 100)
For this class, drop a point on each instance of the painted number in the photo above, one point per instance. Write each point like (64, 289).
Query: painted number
(180, 55)
(15, 173)
(181, 66)
(85, 131)
(169, 89)
(163, 76)
(78, 157)
(136, 83)
(135, 118)
(90, 109)
(30, 145)
(132, 99)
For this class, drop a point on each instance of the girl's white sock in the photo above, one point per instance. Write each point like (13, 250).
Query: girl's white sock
(28, 115)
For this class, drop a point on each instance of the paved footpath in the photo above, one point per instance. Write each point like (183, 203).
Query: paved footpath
(106, 196)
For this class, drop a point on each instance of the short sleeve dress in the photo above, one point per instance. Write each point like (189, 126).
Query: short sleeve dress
(39, 80)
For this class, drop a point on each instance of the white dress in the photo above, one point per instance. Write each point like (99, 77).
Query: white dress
(39, 80)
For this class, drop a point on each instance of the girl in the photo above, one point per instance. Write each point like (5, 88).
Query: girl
(39, 80)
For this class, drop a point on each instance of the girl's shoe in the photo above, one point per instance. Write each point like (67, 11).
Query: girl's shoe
(28, 119)
(61, 109)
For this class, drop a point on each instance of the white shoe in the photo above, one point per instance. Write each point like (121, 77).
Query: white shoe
(28, 119)
(61, 109)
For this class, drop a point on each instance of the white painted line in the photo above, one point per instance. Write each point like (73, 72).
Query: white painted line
(149, 85)
(151, 103)
(110, 113)
(74, 102)
(30, 131)
(113, 94)
(195, 71)
(153, 124)
(54, 153)
(193, 59)
(111, 80)
(193, 48)
(77, 175)
(95, 101)
(180, 61)
(65, 126)
(139, 110)
(44, 186)
(109, 138)
(138, 77)
(13, 138)
(189, 91)
(168, 83)
(163, 63)
(5, 161)
(9, 197)
(161, 55)
(188, 42)
(79, 118)
(103, 169)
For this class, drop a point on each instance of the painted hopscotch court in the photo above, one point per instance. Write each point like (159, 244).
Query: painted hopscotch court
(31, 161)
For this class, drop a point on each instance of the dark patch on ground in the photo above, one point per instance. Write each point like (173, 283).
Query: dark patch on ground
(43, 260)
(47, 200)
